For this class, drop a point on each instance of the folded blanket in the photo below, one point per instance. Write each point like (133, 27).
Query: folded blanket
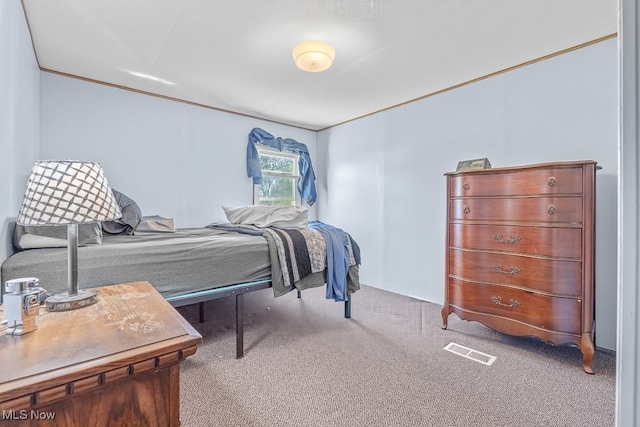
(305, 251)
(301, 252)
(238, 228)
(155, 224)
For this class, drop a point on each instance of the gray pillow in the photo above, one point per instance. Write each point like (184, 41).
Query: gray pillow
(54, 236)
(131, 216)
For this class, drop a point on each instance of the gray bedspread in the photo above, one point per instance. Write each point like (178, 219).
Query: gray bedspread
(189, 260)
(184, 262)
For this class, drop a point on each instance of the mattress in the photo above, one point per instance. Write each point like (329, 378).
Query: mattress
(184, 262)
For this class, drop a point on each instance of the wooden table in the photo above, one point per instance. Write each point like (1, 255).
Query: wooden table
(110, 364)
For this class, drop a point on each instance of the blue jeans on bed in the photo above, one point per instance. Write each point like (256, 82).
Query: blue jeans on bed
(338, 259)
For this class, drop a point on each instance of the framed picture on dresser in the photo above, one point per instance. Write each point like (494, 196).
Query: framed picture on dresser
(473, 164)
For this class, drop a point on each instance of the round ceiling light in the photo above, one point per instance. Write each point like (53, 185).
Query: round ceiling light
(313, 56)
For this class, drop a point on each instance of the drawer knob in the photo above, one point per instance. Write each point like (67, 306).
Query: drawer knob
(466, 186)
(467, 209)
(500, 269)
(513, 303)
(551, 209)
(552, 181)
(500, 238)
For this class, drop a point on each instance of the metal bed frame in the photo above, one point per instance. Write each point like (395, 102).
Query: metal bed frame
(238, 291)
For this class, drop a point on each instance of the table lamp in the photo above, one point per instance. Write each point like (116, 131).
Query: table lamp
(71, 193)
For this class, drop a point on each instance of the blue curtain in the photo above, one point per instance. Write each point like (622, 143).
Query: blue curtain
(307, 180)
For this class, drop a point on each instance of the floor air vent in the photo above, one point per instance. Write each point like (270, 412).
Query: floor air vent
(470, 353)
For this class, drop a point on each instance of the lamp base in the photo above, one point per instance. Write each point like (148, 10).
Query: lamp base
(66, 302)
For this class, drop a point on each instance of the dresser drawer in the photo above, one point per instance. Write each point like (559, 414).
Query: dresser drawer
(543, 181)
(541, 274)
(541, 311)
(535, 209)
(544, 241)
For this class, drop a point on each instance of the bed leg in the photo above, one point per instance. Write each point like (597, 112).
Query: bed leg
(239, 326)
(299, 294)
(201, 307)
(347, 308)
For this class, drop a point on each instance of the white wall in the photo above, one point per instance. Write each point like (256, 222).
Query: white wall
(174, 159)
(19, 113)
(628, 349)
(384, 178)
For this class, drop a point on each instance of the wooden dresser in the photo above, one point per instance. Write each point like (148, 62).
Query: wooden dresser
(114, 363)
(520, 251)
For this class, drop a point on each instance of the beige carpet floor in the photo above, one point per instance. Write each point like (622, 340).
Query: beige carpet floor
(306, 365)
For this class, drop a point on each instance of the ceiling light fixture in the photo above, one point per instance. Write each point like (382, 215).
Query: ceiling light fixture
(313, 56)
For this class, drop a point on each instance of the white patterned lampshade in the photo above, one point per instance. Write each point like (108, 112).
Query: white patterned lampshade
(67, 192)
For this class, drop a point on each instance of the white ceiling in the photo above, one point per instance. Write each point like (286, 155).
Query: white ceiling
(235, 55)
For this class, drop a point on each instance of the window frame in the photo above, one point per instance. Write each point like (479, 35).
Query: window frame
(270, 151)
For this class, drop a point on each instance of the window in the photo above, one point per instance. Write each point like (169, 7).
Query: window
(279, 179)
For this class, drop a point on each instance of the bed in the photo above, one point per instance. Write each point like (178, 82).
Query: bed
(187, 266)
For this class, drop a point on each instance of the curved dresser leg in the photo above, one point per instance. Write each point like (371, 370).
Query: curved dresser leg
(588, 350)
(445, 315)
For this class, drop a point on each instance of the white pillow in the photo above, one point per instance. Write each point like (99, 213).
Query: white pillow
(267, 216)
(34, 241)
(54, 236)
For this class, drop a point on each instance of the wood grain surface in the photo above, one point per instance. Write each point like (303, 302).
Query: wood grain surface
(112, 363)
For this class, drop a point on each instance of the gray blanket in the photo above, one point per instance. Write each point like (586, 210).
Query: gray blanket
(298, 257)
